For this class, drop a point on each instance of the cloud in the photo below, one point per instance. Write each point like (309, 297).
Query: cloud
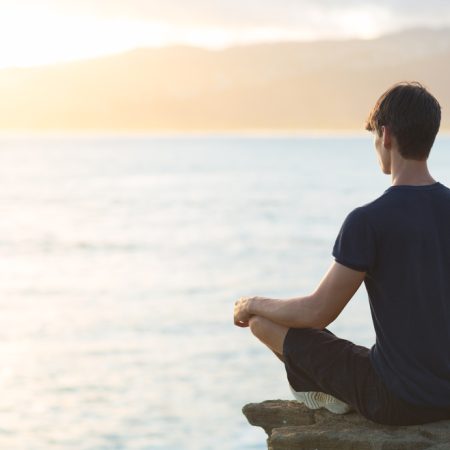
(260, 13)
(238, 14)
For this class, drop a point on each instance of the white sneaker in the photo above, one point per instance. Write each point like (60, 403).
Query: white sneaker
(316, 400)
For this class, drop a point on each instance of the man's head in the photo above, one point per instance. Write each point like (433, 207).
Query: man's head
(412, 116)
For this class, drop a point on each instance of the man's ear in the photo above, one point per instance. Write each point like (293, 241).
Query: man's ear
(386, 137)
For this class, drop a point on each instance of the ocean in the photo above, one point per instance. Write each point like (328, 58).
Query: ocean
(121, 259)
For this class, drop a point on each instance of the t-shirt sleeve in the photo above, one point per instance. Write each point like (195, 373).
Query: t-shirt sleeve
(355, 244)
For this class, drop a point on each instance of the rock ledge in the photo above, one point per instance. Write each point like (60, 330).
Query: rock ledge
(291, 425)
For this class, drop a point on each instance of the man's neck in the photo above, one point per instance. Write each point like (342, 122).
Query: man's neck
(410, 172)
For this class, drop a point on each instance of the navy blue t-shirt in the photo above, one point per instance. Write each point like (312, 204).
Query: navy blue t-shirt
(402, 241)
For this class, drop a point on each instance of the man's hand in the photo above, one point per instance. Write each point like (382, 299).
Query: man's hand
(241, 314)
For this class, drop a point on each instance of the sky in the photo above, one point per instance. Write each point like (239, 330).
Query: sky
(47, 31)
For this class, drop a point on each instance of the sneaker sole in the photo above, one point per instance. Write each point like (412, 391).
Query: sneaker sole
(317, 400)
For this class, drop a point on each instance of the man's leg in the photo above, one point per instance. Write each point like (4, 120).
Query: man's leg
(273, 336)
(344, 373)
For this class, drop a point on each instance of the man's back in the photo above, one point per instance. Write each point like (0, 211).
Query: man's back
(402, 240)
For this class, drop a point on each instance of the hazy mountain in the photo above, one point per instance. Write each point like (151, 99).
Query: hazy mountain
(285, 86)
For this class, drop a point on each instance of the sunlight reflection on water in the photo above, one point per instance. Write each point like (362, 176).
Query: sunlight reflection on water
(121, 262)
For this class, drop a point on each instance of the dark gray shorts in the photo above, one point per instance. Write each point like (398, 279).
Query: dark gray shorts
(317, 360)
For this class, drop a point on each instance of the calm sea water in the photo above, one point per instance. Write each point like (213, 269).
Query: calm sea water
(121, 259)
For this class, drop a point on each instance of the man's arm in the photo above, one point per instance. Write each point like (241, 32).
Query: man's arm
(317, 310)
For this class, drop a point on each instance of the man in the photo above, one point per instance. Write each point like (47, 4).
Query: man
(399, 245)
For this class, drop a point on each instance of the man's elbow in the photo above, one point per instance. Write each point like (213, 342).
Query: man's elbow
(323, 316)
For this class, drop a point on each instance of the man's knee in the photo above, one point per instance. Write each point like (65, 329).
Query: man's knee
(258, 325)
(270, 333)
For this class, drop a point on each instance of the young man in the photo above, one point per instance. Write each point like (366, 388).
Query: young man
(399, 245)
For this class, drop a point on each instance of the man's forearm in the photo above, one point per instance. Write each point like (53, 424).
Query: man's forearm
(301, 312)
(317, 310)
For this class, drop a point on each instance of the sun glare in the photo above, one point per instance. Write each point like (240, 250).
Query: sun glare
(43, 37)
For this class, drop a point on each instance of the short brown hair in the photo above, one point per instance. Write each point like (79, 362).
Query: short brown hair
(413, 116)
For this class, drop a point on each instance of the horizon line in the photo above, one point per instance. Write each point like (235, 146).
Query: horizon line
(267, 133)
